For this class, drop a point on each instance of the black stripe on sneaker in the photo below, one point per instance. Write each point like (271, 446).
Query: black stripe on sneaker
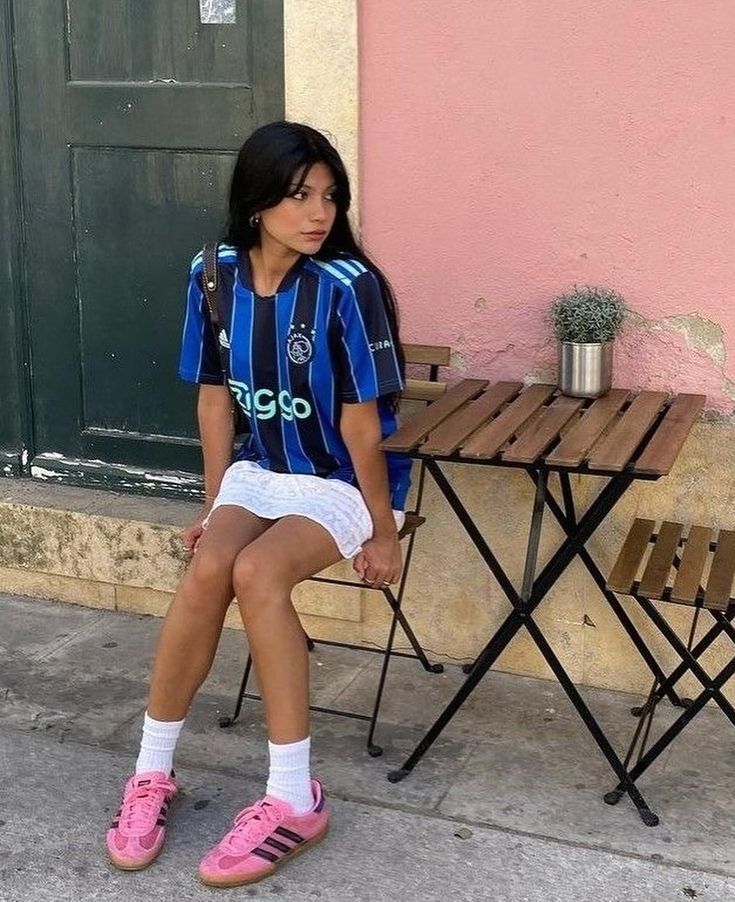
(289, 834)
(281, 846)
(269, 856)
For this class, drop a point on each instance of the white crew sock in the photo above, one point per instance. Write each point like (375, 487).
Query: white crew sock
(289, 777)
(158, 744)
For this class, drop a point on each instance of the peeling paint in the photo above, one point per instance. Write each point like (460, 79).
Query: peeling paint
(117, 476)
(728, 387)
(701, 334)
(500, 353)
(40, 473)
(545, 376)
(168, 478)
(663, 362)
(458, 361)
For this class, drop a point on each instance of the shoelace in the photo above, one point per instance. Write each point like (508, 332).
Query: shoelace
(141, 806)
(251, 825)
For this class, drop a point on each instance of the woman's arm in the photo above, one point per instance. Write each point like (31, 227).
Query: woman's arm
(380, 560)
(217, 433)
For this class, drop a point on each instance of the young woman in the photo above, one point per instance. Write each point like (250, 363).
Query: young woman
(315, 363)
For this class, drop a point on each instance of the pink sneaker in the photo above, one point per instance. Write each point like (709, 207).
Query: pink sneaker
(139, 827)
(262, 838)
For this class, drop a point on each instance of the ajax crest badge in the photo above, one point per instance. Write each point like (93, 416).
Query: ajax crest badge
(300, 344)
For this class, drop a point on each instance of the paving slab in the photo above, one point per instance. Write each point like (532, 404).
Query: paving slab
(58, 798)
(517, 768)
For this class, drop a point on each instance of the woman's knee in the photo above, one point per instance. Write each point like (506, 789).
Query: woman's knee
(210, 571)
(258, 582)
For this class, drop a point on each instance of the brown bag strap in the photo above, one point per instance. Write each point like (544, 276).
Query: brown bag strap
(212, 295)
(210, 280)
(211, 285)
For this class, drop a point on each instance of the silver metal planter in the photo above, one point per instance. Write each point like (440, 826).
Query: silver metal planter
(585, 370)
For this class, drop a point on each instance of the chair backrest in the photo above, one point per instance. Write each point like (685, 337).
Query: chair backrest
(431, 356)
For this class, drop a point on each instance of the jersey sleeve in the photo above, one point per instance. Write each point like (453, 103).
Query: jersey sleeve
(367, 361)
(199, 360)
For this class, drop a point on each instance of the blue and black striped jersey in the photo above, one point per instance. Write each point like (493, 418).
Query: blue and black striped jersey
(294, 358)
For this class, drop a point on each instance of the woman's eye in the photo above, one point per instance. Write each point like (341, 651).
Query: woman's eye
(299, 195)
(331, 197)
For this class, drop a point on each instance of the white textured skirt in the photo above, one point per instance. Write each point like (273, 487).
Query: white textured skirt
(333, 503)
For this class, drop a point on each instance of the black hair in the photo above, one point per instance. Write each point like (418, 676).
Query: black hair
(272, 158)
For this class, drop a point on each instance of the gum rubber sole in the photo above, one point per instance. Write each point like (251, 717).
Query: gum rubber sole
(240, 881)
(123, 865)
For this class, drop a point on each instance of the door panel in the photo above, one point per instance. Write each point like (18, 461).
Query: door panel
(128, 252)
(104, 43)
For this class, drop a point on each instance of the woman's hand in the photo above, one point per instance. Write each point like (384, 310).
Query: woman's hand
(380, 562)
(191, 535)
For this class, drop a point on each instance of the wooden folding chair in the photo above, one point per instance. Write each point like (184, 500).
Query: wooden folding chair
(700, 576)
(425, 390)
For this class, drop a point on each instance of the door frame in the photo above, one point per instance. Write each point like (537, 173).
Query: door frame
(14, 462)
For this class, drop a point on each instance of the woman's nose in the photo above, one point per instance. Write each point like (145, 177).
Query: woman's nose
(319, 209)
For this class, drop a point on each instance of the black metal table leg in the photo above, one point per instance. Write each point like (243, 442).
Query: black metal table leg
(595, 514)
(485, 660)
(534, 537)
(647, 816)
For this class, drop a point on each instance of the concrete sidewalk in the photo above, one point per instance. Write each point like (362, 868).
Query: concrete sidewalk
(516, 769)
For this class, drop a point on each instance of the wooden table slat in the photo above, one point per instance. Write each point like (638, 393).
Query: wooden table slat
(719, 584)
(487, 441)
(656, 574)
(420, 425)
(572, 449)
(447, 437)
(631, 555)
(616, 449)
(689, 577)
(535, 439)
(530, 424)
(659, 455)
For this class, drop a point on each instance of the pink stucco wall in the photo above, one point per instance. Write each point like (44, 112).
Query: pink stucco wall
(511, 149)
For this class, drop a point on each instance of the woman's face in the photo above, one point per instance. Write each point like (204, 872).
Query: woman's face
(300, 223)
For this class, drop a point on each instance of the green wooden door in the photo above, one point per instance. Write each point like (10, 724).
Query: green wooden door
(129, 116)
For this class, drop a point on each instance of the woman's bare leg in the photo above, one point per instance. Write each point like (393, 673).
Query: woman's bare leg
(193, 623)
(264, 575)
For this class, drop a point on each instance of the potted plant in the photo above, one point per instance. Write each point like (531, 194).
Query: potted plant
(586, 320)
